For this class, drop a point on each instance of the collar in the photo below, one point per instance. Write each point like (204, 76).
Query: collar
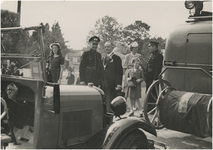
(156, 51)
(136, 54)
(110, 54)
(92, 50)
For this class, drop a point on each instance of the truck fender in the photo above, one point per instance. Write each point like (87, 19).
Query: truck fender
(118, 130)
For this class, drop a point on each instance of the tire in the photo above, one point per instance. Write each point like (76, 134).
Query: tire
(134, 140)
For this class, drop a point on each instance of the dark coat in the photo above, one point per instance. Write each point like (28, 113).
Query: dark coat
(90, 68)
(154, 66)
(113, 72)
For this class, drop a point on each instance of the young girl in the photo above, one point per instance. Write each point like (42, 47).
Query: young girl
(55, 63)
(134, 93)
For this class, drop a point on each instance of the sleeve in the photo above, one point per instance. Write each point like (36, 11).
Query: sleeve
(48, 59)
(62, 61)
(129, 74)
(158, 66)
(125, 63)
(142, 74)
(100, 71)
(82, 67)
(119, 69)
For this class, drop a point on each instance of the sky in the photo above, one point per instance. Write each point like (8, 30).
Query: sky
(77, 18)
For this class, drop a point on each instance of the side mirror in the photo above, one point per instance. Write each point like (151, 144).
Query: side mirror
(56, 97)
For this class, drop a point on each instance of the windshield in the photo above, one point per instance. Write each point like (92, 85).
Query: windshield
(21, 53)
(207, 6)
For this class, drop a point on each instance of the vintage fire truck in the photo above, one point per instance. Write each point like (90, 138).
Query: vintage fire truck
(183, 94)
(38, 114)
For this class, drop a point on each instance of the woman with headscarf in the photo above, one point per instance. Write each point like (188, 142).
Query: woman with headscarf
(133, 55)
(55, 63)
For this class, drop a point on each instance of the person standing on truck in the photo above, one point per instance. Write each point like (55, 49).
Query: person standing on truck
(55, 63)
(112, 74)
(91, 65)
(154, 64)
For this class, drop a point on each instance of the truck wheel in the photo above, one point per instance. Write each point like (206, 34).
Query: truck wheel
(135, 140)
(151, 111)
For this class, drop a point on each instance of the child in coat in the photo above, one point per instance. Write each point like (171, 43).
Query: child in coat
(134, 93)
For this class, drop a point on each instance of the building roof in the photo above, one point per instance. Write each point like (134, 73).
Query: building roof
(75, 53)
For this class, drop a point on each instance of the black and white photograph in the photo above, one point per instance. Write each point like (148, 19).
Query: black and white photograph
(106, 74)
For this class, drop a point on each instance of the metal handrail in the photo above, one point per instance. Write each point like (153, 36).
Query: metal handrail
(188, 68)
(20, 28)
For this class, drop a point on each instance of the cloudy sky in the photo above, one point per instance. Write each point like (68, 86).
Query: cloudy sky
(77, 18)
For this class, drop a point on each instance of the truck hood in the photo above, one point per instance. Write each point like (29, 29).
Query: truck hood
(70, 90)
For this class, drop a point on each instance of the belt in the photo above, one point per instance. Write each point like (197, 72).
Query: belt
(91, 68)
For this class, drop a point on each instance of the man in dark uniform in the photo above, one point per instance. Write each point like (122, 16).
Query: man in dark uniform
(154, 64)
(112, 75)
(91, 65)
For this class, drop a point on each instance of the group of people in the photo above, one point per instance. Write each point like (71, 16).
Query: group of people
(108, 73)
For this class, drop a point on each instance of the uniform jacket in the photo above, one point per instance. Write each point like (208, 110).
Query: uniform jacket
(154, 66)
(113, 71)
(90, 68)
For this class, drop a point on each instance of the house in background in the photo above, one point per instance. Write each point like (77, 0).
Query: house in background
(73, 58)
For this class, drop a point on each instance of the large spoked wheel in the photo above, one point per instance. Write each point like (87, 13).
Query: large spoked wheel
(156, 91)
(4, 104)
(135, 140)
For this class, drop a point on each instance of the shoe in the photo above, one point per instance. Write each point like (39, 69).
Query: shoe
(131, 114)
(141, 115)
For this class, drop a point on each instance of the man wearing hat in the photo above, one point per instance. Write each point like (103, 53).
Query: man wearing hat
(154, 64)
(91, 65)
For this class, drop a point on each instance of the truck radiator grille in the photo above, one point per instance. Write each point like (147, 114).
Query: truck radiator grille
(76, 124)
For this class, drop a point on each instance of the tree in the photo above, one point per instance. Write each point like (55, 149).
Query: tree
(57, 36)
(9, 19)
(107, 29)
(26, 43)
(136, 32)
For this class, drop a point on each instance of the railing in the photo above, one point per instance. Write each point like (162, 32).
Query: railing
(186, 68)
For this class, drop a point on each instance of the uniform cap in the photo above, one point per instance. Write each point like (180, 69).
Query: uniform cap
(153, 43)
(94, 39)
(134, 44)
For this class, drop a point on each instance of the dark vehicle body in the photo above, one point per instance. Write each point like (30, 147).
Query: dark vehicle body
(188, 55)
(183, 93)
